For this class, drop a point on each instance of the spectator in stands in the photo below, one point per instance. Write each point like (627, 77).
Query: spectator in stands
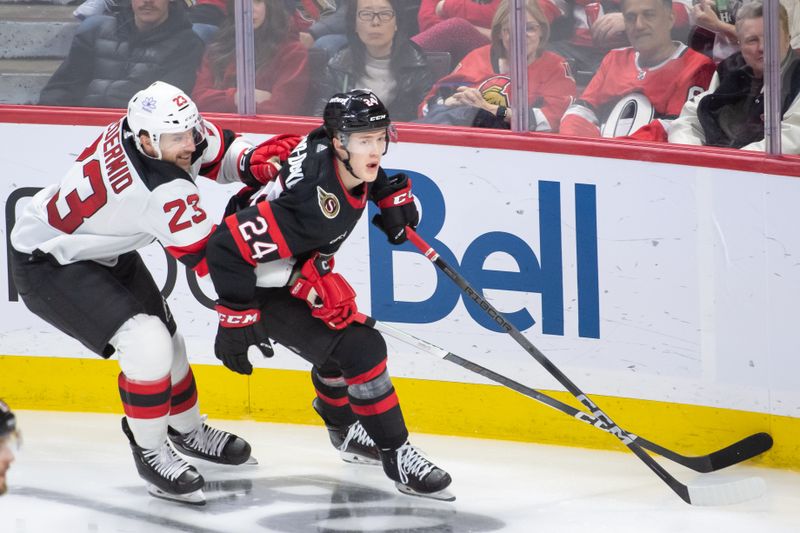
(322, 24)
(109, 62)
(731, 112)
(651, 79)
(707, 15)
(281, 65)
(583, 31)
(206, 15)
(378, 57)
(477, 92)
(455, 26)
(9, 438)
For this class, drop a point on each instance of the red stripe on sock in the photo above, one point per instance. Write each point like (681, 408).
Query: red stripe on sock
(146, 412)
(184, 384)
(143, 387)
(336, 402)
(182, 407)
(369, 375)
(376, 408)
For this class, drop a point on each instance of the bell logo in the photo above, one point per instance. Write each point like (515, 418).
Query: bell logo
(543, 265)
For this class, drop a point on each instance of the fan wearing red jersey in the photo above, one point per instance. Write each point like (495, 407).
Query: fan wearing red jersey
(477, 92)
(272, 263)
(75, 265)
(665, 72)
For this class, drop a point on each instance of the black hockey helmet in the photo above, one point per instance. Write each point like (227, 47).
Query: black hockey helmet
(8, 422)
(354, 111)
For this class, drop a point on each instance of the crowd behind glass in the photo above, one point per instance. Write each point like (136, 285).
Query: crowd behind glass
(682, 71)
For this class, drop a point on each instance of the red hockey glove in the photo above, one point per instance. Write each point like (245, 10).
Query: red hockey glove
(328, 294)
(398, 209)
(261, 164)
(240, 326)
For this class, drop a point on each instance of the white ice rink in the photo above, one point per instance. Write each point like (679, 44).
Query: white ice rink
(75, 474)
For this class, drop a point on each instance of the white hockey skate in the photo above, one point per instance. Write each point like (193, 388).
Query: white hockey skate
(213, 445)
(167, 475)
(352, 441)
(415, 475)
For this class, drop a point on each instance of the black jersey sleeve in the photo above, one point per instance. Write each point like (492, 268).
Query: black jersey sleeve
(244, 238)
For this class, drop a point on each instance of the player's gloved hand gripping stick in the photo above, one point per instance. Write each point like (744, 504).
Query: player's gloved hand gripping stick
(240, 327)
(716, 494)
(398, 209)
(327, 293)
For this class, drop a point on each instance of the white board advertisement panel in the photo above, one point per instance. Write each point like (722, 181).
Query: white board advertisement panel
(637, 279)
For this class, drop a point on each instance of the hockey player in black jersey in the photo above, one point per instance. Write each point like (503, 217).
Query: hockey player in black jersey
(75, 265)
(272, 265)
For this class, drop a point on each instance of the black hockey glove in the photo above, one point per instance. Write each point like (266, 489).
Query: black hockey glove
(398, 209)
(240, 327)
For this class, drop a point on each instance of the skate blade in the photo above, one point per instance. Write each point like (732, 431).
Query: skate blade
(251, 461)
(192, 498)
(355, 459)
(443, 495)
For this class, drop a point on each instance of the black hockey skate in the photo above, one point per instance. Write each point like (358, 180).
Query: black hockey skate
(167, 475)
(211, 444)
(415, 475)
(352, 441)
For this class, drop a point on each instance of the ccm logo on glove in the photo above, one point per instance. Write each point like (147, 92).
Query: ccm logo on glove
(230, 318)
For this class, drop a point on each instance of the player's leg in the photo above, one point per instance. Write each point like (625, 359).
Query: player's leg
(187, 428)
(91, 303)
(359, 353)
(344, 429)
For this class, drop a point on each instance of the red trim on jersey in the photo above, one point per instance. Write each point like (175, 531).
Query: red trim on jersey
(369, 375)
(357, 203)
(212, 168)
(376, 408)
(191, 249)
(336, 402)
(197, 248)
(201, 268)
(274, 229)
(233, 226)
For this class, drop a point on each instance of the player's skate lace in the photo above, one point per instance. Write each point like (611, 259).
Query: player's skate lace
(357, 433)
(411, 461)
(207, 440)
(166, 462)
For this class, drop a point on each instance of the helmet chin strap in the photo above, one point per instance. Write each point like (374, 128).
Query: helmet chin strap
(346, 162)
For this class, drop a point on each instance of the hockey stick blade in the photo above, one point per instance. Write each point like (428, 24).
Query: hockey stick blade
(737, 452)
(709, 496)
(732, 492)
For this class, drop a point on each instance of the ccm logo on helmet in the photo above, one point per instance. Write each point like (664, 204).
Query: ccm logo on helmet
(377, 117)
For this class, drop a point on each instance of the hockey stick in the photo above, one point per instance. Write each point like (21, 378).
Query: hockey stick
(737, 452)
(717, 494)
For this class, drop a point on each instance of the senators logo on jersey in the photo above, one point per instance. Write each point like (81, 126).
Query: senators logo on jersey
(497, 90)
(328, 203)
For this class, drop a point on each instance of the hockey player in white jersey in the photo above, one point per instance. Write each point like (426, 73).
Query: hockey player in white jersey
(76, 266)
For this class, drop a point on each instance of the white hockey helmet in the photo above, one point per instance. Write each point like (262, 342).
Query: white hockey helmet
(163, 108)
(631, 112)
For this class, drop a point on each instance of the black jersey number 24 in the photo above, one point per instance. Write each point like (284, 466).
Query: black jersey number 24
(251, 230)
